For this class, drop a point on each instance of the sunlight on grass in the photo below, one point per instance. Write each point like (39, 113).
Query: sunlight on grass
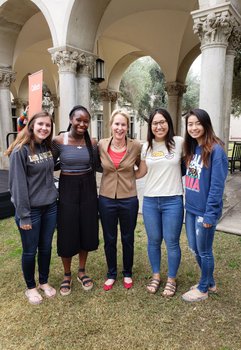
(121, 319)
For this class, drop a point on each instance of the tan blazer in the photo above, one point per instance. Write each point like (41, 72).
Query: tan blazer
(120, 182)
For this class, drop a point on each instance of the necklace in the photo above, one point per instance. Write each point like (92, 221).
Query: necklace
(81, 141)
(118, 147)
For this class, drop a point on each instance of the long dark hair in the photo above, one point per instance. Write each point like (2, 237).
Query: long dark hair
(209, 137)
(169, 141)
(26, 136)
(86, 134)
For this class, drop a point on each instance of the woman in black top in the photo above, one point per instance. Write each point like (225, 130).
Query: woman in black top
(77, 225)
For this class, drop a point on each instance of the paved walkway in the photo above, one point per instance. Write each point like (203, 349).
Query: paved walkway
(231, 219)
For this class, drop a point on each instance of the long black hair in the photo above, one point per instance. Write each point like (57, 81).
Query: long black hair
(169, 141)
(86, 134)
(209, 137)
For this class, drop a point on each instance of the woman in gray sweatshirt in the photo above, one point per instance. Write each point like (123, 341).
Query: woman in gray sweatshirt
(34, 196)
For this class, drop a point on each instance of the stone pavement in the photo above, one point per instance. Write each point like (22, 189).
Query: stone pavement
(231, 219)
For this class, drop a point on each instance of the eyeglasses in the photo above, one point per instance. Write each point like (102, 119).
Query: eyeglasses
(161, 123)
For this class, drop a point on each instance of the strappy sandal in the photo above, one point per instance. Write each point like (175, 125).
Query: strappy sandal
(66, 284)
(84, 280)
(170, 289)
(154, 284)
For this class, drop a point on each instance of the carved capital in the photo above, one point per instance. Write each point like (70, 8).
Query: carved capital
(6, 78)
(72, 59)
(66, 60)
(86, 63)
(175, 89)
(234, 42)
(215, 28)
(108, 95)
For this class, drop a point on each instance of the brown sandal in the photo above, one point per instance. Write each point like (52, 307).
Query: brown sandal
(154, 284)
(170, 289)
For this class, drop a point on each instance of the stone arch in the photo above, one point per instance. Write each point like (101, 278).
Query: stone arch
(84, 20)
(120, 67)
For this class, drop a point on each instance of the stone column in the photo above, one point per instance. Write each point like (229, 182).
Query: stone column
(84, 71)
(214, 28)
(67, 60)
(114, 99)
(175, 91)
(105, 96)
(6, 78)
(234, 44)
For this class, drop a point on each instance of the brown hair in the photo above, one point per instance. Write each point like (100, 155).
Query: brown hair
(26, 136)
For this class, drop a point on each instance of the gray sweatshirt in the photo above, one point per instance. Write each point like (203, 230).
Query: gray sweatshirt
(31, 180)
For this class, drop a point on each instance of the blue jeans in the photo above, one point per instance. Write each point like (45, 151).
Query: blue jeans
(39, 238)
(200, 241)
(163, 218)
(125, 211)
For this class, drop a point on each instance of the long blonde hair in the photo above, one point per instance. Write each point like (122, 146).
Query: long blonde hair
(26, 136)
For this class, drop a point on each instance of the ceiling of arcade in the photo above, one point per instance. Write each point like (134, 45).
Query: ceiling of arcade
(125, 30)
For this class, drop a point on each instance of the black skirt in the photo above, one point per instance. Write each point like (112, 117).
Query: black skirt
(77, 223)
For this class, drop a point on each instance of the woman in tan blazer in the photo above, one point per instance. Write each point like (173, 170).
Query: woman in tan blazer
(118, 200)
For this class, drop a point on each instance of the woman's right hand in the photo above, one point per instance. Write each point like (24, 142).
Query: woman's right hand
(26, 227)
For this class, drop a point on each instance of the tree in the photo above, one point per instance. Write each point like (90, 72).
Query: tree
(142, 86)
(191, 96)
(236, 91)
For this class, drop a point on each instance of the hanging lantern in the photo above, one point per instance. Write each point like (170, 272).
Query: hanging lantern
(99, 71)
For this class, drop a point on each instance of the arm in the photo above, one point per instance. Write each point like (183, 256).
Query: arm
(19, 187)
(218, 176)
(97, 161)
(56, 153)
(142, 170)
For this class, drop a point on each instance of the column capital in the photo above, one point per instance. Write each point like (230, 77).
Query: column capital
(7, 77)
(215, 26)
(72, 59)
(109, 95)
(86, 63)
(175, 89)
(235, 38)
(66, 60)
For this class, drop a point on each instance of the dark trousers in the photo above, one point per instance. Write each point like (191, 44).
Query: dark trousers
(125, 212)
(38, 239)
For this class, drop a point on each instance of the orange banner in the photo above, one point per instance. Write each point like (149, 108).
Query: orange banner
(35, 83)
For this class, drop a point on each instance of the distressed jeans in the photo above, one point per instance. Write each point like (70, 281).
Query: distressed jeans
(200, 241)
(163, 218)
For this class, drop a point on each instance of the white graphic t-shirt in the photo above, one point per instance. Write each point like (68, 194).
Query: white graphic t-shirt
(164, 176)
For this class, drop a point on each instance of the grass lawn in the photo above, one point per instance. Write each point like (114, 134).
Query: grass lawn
(121, 319)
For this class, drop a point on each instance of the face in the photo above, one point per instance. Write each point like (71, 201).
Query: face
(119, 127)
(159, 127)
(80, 122)
(195, 128)
(42, 128)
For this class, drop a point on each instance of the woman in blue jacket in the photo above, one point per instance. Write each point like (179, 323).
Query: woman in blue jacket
(207, 168)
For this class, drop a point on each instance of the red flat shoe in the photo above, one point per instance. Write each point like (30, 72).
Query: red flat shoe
(127, 285)
(107, 287)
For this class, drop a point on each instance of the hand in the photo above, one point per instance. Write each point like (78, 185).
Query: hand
(207, 225)
(26, 227)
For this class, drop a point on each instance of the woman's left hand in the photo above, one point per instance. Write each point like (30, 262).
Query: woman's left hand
(207, 225)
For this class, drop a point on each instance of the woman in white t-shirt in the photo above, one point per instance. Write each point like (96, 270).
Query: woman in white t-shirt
(163, 197)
